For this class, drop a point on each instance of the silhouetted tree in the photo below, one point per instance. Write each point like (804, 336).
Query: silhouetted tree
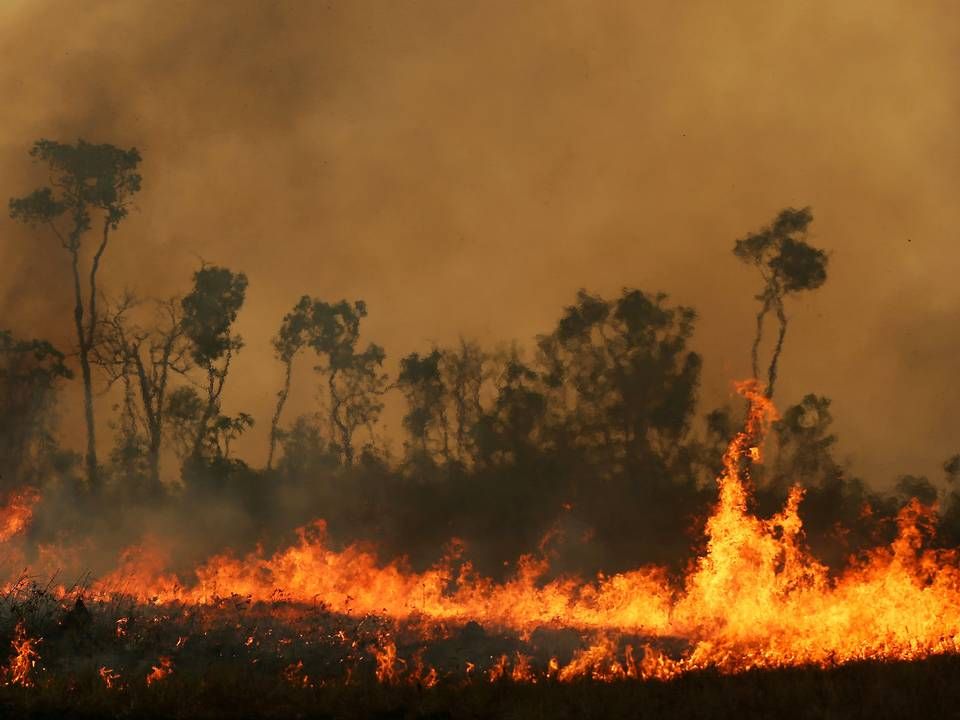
(787, 264)
(355, 381)
(295, 333)
(622, 378)
(84, 179)
(909, 487)
(142, 359)
(512, 431)
(804, 439)
(209, 311)
(306, 452)
(29, 373)
(464, 371)
(426, 417)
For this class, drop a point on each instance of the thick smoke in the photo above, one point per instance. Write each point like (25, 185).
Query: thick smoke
(464, 170)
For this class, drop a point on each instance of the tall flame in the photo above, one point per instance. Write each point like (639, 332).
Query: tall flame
(755, 598)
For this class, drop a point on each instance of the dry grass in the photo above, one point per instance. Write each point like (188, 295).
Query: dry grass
(239, 660)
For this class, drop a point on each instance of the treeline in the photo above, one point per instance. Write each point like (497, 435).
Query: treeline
(588, 446)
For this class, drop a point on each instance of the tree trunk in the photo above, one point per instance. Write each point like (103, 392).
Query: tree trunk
(87, 376)
(755, 350)
(275, 421)
(772, 372)
(153, 409)
(346, 439)
(91, 459)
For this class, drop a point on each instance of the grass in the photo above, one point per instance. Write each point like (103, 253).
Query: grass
(238, 660)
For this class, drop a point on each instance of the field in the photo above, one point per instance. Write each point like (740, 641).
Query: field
(236, 659)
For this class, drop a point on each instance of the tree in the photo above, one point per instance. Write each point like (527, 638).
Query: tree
(787, 264)
(356, 392)
(30, 371)
(443, 391)
(295, 332)
(464, 371)
(426, 417)
(142, 359)
(805, 441)
(512, 431)
(209, 312)
(623, 383)
(86, 179)
(355, 381)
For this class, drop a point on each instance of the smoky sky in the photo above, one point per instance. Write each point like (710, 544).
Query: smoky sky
(465, 167)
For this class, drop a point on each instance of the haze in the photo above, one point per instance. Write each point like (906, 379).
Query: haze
(466, 167)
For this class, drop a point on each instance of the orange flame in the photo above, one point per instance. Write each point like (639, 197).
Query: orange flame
(162, 669)
(24, 658)
(18, 512)
(755, 598)
(109, 677)
(385, 656)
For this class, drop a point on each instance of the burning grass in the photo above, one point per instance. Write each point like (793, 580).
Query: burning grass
(312, 629)
(241, 659)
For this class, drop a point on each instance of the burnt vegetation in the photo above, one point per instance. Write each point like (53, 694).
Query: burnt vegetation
(590, 436)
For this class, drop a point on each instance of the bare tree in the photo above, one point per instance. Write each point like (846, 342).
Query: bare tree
(144, 359)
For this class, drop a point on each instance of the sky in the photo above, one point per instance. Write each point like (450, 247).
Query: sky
(466, 167)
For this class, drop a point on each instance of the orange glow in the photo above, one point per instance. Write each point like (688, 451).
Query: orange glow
(755, 598)
(16, 515)
(24, 658)
(109, 677)
(162, 669)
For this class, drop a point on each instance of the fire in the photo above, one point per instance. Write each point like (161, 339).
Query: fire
(295, 675)
(386, 658)
(18, 512)
(24, 658)
(108, 676)
(162, 669)
(755, 598)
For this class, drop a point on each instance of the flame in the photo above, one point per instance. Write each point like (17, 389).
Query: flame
(108, 676)
(755, 598)
(162, 669)
(295, 675)
(24, 658)
(16, 515)
(385, 655)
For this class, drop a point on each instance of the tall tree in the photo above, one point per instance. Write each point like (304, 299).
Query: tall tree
(787, 264)
(85, 180)
(294, 334)
(355, 381)
(209, 312)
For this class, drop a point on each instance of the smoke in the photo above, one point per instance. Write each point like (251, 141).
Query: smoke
(465, 168)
